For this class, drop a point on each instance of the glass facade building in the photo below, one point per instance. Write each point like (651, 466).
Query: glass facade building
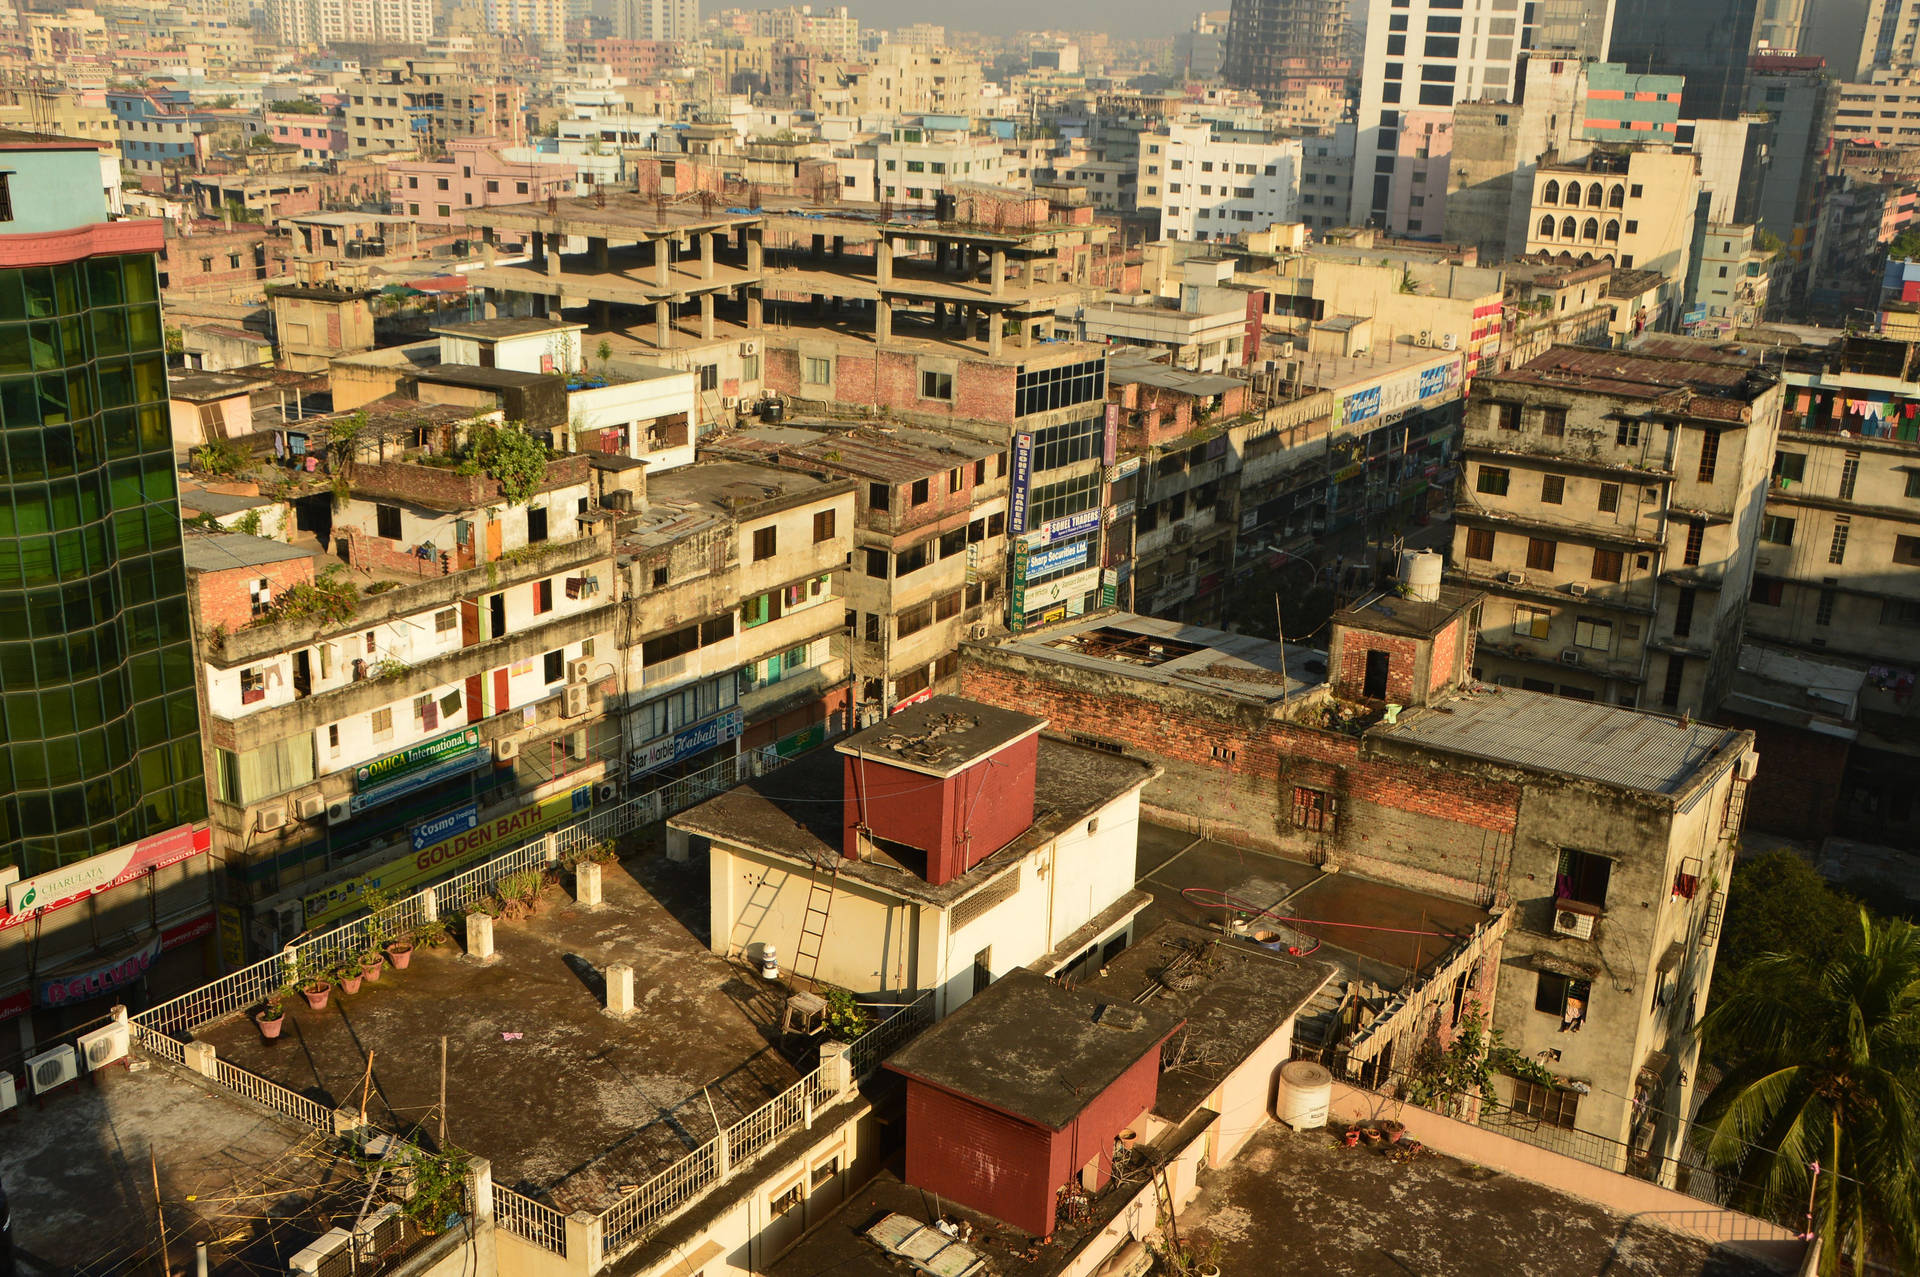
(96, 660)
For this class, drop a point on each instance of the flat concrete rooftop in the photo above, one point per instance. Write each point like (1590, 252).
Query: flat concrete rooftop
(566, 1102)
(1301, 1203)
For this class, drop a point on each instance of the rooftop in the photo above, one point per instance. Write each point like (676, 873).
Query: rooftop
(1691, 375)
(736, 487)
(215, 551)
(565, 1101)
(1033, 1048)
(897, 454)
(1393, 614)
(1125, 366)
(205, 387)
(941, 735)
(1189, 656)
(1435, 1216)
(501, 329)
(1626, 748)
(794, 813)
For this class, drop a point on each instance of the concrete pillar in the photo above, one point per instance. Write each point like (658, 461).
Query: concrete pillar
(602, 254)
(430, 905)
(836, 1068)
(619, 987)
(586, 1243)
(706, 254)
(660, 254)
(539, 242)
(345, 1121)
(706, 316)
(756, 251)
(999, 272)
(756, 310)
(480, 1187)
(663, 324)
(553, 258)
(586, 884)
(993, 331)
(883, 262)
(480, 937)
(839, 247)
(883, 320)
(679, 846)
(489, 246)
(550, 849)
(200, 1057)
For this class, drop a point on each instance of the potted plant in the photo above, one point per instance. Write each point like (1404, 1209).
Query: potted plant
(438, 1190)
(315, 986)
(371, 965)
(846, 1018)
(400, 953)
(519, 894)
(272, 1016)
(431, 934)
(347, 974)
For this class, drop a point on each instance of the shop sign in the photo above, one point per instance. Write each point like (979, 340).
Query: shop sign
(1068, 525)
(1022, 482)
(1110, 441)
(101, 978)
(1060, 589)
(104, 872)
(446, 825)
(687, 742)
(924, 694)
(488, 838)
(427, 756)
(1053, 558)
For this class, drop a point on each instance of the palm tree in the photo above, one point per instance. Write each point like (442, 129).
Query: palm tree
(1829, 1076)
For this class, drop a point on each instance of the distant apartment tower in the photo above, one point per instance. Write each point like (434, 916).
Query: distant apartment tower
(1264, 36)
(96, 657)
(1708, 42)
(671, 20)
(546, 19)
(323, 22)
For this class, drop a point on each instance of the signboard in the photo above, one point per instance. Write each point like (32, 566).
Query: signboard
(1060, 589)
(414, 759)
(15, 1005)
(1053, 558)
(1123, 469)
(1070, 525)
(1110, 441)
(1022, 482)
(233, 938)
(446, 825)
(99, 977)
(687, 742)
(1400, 392)
(924, 694)
(489, 838)
(63, 886)
(1122, 511)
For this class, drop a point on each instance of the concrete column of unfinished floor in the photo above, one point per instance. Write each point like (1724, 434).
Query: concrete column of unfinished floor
(663, 324)
(661, 253)
(883, 320)
(706, 316)
(707, 239)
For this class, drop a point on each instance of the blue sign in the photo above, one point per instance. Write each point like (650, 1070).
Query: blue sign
(1066, 526)
(1434, 380)
(1363, 404)
(443, 827)
(1042, 562)
(1022, 480)
(697, 739)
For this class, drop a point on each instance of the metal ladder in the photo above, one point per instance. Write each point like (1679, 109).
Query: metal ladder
(813, 926)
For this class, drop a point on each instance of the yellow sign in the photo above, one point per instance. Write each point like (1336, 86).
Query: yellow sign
(488, 838)
(233, 938)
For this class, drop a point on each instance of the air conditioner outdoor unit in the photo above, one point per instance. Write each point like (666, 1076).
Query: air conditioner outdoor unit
(339, 812)
(751, 346)
(577, 670)
(506, 749)
(8, 1098)
(1570, 657)
(52, 1068)
(330, 1256)
(272, 818)
(1748, 767)
(379, 1232)
(287, 920)
(1425, 338)
(978, 631)
(1577, 588)
(1514, 578)
(103, 1046)
(1573, 922)
(1450, 341)
(576, 701)
(312, 807)
(608, 791)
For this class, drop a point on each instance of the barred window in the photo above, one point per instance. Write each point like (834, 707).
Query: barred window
(1313, 810)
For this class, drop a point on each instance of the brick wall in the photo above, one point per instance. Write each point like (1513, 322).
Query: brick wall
(1347, 672)
(225, 597)
(405, 481)
(1797, 788)
(1446, 656)
(982, 390)
(371, 553)
(1231, 771)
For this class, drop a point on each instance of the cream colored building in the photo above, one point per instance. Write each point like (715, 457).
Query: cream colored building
(1610, 504)
(1635, 207)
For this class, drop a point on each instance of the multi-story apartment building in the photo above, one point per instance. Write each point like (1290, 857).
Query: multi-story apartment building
(1731, 281)
(1637, 208)
(1267, 41)
(160, 129)
(921, 156)
(413, 104)
(1611, 506)
(1215, 184)
(668, 21)
(929, 544)
(473, 174)
(310, 23)
(105, 805)
(544, 19)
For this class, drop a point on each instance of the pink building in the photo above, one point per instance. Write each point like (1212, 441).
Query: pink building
(1417, 201)
(319, 137)
(473, 175)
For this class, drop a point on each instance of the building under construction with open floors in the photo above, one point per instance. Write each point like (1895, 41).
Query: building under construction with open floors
(1271, 44)
(1611, 507)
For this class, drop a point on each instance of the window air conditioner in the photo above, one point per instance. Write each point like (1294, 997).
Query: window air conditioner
(1514, 578)
(8, 1098)
(1570, 657)
(330, 1256)
(1577, 588)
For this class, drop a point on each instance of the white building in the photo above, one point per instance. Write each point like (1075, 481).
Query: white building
(1213, 186)
(319, 22)
(924, 156)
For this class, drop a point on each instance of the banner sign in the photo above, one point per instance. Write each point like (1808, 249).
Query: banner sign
(414, 759)
(687, 742)
(99, 978)
(440, 828)
(1041, 562)
(1022, 481)
(104, 872)
(1070, 525)
(1110, 443)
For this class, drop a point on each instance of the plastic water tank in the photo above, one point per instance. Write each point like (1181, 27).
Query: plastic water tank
(1420, 573)
(1306, 1094)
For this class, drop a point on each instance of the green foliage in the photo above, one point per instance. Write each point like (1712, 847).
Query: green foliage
(379, 902)
(387, 668)
(176, 339)
(512, 458)
(1767, 242)
(1828, 1072)
(1906, 245)
(439, 1189)
(248, 524)
(220, 458)
(299, 106)
(604, 351)
(589, 851)
(846, 1018)
(329, 598)
(1777, 903)
(1442, 1078)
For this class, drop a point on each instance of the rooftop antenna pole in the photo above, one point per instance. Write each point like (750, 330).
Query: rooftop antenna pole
(1280, 636)
(443, 1092)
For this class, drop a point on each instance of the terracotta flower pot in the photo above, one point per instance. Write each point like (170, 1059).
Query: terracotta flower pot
(316, 994)
(400, 953)
(1129, 1137)
(350, 983)
(371, 970)
(269, 1027)
(1352, 1137)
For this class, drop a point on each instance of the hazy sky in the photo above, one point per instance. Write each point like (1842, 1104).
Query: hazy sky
(1126, 18)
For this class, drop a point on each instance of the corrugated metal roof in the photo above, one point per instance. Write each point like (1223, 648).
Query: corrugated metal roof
(1606, 743)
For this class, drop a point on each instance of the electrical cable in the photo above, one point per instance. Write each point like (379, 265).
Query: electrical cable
(1241, 906)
